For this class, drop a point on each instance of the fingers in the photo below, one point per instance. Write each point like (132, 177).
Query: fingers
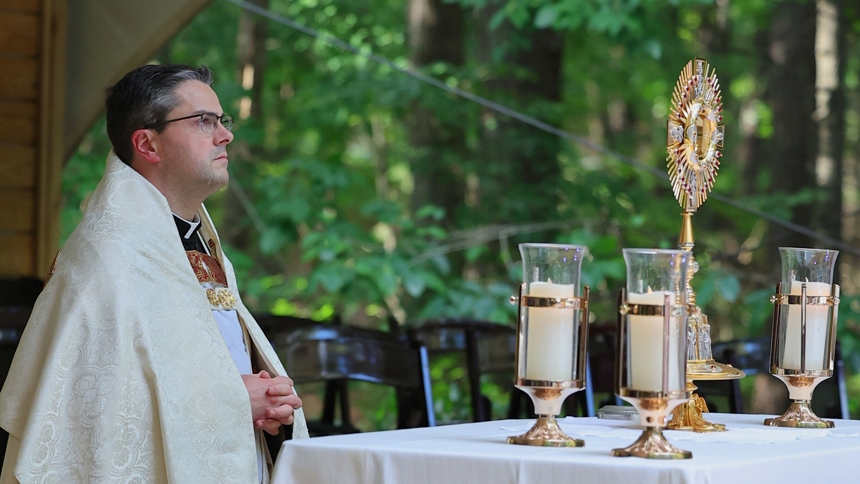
(281, 379)
(282, 386)
(280, 413)
(282, 390)
(285, 380)
(285, 410)
(293, 401)
(273, 402)
(270, 426)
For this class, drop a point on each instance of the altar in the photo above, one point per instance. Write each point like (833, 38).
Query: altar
(477, 452)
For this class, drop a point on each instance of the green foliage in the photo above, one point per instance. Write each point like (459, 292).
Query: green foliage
(332, 173)
(451, 394)
(719, 283)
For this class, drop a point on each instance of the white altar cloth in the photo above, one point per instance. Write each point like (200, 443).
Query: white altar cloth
(477, 453)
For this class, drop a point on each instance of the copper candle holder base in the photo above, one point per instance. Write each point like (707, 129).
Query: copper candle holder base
(799, 415)
(546, 433)
(652, 445)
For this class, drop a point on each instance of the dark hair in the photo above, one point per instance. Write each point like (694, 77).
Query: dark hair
(142, 97)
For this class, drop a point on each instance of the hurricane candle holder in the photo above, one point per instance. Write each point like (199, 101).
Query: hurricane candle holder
(652, 346)
(552, 331)
(803, 339)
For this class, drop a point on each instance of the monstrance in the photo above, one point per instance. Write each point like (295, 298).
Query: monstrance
(694, 144)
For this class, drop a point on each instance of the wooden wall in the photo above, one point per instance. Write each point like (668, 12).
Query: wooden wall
(32, 46)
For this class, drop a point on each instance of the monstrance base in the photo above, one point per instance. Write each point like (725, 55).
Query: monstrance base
(690, 416)
(652, 445)
(712, 370)
(799, 415)
(546, 433)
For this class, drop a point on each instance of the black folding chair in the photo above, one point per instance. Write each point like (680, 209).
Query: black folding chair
(487, 347)
(278, 330)
(600, 370)
(752, 355)
(339, 353)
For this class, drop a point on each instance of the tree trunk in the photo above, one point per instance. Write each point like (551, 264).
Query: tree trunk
(754, 149)
(536, 153)
(251, 61)
(850, 276)
(792, 97)
(436, 35)
(713, 32)
(521, 160)
(830, 113)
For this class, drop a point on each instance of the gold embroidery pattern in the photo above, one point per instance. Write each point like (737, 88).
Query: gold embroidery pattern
(226, 299)
(52, 268)
(206, 268)
(221, 298)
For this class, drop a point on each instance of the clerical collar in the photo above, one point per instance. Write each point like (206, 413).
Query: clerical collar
(189, 232)
(186, 228)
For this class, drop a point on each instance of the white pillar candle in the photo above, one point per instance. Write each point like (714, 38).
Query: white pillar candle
(816, 329)
(646, 346)
(549, 350)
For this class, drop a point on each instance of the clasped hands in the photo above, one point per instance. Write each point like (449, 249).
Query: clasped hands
(273, 400)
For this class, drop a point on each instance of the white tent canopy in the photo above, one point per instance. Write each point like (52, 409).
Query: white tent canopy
(106, 39)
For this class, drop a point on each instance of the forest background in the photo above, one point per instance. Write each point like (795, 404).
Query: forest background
(361, 192)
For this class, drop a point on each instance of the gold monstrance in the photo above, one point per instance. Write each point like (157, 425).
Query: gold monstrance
(695, 138)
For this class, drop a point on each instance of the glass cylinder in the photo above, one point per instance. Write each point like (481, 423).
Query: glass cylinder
(550, 337)
(814, 269)
(654, 277)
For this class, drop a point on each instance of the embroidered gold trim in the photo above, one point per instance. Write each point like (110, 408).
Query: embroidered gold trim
(206, 268)
(51, 269)
(226, 299)
(221, 298)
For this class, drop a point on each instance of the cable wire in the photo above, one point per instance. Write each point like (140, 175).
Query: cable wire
(501, 109)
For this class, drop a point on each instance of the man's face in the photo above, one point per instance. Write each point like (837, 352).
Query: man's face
(192, 158)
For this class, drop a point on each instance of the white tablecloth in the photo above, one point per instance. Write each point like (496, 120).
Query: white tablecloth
(477, 453)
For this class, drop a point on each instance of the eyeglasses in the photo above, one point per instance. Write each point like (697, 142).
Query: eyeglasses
(208, 121)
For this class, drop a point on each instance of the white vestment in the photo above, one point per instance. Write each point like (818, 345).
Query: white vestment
(122, 374)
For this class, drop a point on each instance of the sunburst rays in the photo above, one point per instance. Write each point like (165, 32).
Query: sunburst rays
(695, 134)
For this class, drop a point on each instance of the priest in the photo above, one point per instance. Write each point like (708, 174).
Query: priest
(140, 363)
